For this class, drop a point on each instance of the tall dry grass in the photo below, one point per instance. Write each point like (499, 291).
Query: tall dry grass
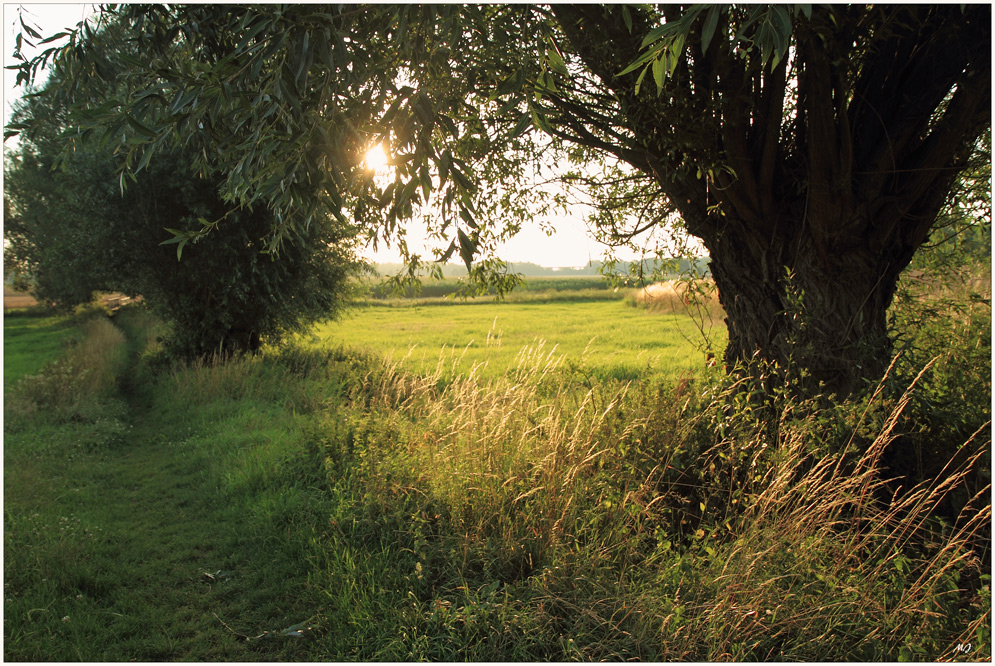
(829, 558)
(581, 496)
(679, 296)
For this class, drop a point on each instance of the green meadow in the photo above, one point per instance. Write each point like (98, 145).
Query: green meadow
(605, 339)
(32, 340)
(518, 481)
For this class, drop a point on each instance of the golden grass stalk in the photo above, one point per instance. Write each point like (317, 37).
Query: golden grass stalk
(823, 555)
(679, 296)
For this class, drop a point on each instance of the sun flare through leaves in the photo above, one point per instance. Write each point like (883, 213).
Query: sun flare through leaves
(376, 158)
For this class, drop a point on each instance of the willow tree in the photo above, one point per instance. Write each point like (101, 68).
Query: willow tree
(810, 149)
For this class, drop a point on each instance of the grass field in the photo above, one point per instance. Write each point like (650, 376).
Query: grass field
(589, 287)
(603, 339)
(124, 535)
(319, 502)
(31, 341)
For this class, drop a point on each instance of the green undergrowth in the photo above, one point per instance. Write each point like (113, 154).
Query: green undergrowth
(328, 503)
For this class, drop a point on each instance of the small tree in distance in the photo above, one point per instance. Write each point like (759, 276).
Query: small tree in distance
(77, 232)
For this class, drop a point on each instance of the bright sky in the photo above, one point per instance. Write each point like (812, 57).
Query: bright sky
(571, 245)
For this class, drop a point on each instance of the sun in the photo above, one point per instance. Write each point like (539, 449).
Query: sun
(376, 158)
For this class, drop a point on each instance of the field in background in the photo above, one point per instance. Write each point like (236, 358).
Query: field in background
(31, 342)
(579, 323)
(604, 339)
(574, 286)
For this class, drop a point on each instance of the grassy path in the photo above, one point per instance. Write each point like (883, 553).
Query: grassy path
(115, 533)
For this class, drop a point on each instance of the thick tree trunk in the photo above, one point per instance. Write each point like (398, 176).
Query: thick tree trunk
(822, 313)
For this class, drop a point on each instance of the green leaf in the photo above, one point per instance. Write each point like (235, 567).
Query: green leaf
(178, 235)
(510, 104)
(448, 253)
(708, 29)
(659, 72)
(144, 161)
(255, 30)
(180, 238)
(131, 60)
(393, 108)
(304, 61)
(555, 59)
(461, 179)
(28, 29)
(444, 163)
(659, 33)
(640, 61)
(783, 20)
(58, 35)
(426, 180)
(464, 213)
(467, 248)
(639, 81)
(386, 196)
(676, 50)
(540, 120)
(448, 123)
(139, 127)
(523, 124)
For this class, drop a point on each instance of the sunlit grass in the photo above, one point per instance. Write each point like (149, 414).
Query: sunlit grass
(603, 339)
(32, 340)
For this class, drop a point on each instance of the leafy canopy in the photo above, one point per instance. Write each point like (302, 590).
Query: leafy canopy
(284, 101)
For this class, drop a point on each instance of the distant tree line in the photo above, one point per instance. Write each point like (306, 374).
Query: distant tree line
(650, 268)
